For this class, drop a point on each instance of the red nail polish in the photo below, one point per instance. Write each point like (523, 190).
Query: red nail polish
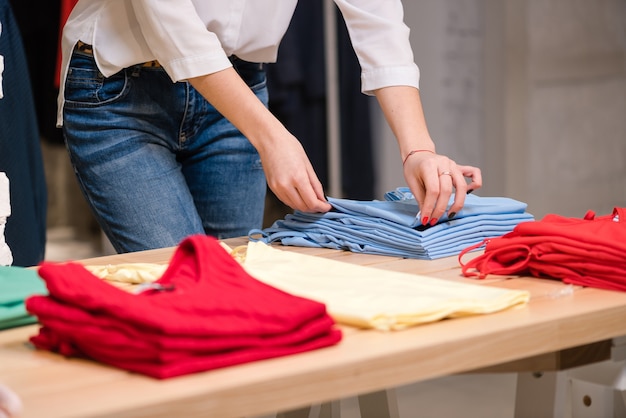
(433, 221)
(425, 220)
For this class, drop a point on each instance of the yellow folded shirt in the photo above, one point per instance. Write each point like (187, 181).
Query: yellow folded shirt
(133, 273)
(140, 273)
(367, 297)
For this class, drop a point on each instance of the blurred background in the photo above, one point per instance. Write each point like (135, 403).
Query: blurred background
(531, 91)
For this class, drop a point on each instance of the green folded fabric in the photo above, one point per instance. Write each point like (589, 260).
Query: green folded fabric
(17, 284)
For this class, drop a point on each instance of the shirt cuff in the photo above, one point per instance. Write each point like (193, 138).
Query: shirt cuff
(195, 66)
(407, 75)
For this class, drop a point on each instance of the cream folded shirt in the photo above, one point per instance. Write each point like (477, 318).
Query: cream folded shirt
(131, 273)
(373, 298)
(354, 295)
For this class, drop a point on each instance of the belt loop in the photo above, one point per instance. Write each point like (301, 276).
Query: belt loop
(88, 50)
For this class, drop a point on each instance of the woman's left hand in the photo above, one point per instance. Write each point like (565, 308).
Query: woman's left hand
(432, 178)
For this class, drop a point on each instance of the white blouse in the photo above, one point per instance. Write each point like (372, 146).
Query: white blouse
(191, 38)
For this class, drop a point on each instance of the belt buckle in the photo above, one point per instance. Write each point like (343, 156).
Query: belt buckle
(83, 47)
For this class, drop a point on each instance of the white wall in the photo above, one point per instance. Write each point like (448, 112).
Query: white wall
(447, 43)
(533, 92)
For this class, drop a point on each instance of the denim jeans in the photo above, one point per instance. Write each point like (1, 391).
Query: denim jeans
(155, 160)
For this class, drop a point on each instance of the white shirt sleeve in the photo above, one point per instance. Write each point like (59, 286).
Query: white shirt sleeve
(179, 39)
(381, 41)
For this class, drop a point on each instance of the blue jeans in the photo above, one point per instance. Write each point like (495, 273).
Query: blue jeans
(155, 160)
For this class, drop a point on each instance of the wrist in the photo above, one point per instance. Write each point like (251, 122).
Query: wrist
(415, 151)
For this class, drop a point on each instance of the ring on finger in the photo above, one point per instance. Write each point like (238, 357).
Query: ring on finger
(445, 173)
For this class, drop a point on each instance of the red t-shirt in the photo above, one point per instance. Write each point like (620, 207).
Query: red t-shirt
(589, 251)
(211, 314)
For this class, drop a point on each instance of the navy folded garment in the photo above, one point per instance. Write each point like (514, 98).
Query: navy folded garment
(390, 227)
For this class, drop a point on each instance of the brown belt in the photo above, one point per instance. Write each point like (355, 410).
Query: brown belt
(88, 50)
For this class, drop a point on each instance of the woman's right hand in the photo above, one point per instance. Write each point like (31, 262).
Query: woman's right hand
(10, 403)
(291, 176)
(287, 168)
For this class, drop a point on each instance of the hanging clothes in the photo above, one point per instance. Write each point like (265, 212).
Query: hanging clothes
(20, 150)
(6, 257)
(66, 9)
(589, 252)
(38, 22)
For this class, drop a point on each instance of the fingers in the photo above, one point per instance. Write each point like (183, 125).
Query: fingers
(303, 199)
(436, 199)
(305, 194)
(306, 199)
(475, 176)
(291, 176)
(10, 403)
(434, 179)
(448, 181)
(460, 187)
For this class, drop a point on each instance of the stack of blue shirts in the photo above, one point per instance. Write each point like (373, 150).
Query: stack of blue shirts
(390, 227)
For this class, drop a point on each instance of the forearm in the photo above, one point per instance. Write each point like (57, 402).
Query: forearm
(289, 173)
(403, 111)
(228, 93)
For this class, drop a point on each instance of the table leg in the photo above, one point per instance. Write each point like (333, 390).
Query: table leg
(298, 413)
(542, 394)
(381, 404)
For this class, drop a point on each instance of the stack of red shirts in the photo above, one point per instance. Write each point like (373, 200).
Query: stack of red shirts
(205, 312)
(588, 252)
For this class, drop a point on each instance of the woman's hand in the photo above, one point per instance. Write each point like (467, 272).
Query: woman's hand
(432, 179)
(291, 177)
(287, 168)
(10, 403)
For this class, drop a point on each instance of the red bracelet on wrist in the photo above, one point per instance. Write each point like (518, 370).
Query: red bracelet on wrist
(415, 151)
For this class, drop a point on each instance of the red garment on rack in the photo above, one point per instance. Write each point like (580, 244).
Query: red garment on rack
(588, 252)
(66, 9)
(211, 313)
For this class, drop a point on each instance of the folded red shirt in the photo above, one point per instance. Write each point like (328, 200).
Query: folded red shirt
(590, 251)
(209, 313)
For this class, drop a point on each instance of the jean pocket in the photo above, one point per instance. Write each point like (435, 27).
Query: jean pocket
(252, 73)
(85, 85)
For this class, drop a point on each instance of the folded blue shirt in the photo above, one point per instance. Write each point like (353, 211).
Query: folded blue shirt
(390, 227)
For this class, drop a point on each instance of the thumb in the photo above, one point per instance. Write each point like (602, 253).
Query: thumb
(10, 403)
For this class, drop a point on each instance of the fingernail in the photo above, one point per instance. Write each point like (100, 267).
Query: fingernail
(433, 221)
(425, 220)
(469, 191)
(451, 215)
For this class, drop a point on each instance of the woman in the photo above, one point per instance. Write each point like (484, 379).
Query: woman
(164, 110)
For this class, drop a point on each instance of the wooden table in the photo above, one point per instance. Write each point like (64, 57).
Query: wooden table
(560, 324)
